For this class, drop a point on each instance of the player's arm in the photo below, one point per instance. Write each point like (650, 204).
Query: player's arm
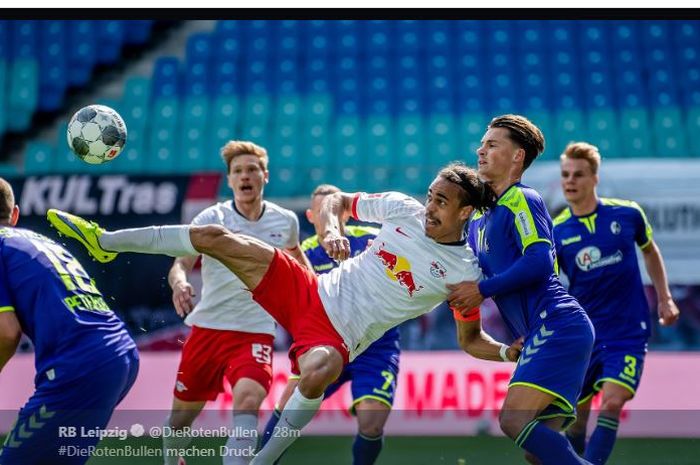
(183, 292)
(334, 209)
(10, 334)
(477, 343)
(299, 255)
(654, 262)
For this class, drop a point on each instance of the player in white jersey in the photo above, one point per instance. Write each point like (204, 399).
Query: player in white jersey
(231, 334)
(334, 317)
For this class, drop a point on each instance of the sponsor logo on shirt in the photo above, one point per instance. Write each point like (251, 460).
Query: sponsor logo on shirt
(180, 386)
(590, 258)
(570, 240)
(524, 222)
(398, 269)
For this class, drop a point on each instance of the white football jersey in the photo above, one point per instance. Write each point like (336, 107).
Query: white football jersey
(401, 276)
(226, 303)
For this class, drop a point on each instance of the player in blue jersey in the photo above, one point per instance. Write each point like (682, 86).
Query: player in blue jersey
(596, 240)
(85, 360)
(515, 247)
(374, 372)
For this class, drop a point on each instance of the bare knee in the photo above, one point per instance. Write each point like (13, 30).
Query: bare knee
(180, 419)
(612, 405)
(205, 237)
(319, 369)
(511, 423)
(248, 397)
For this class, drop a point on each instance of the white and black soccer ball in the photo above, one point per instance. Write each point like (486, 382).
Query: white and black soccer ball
(96, 134)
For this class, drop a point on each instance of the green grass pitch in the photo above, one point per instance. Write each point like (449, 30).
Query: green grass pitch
(481, 450)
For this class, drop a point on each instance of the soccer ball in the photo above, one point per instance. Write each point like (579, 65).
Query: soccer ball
(96, 134)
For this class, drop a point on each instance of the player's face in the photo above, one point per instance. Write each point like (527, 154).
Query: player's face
(444, 216)
(496, 155)
(247, 178)
(577, 180)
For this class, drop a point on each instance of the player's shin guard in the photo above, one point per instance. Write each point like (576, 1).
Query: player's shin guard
(173, 241)
(296, 414)
(365, 450)
(547, 445)
(240, 449)
(578, 442)
(602, 440)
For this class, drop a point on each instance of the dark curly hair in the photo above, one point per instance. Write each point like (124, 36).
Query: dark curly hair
(476, 193)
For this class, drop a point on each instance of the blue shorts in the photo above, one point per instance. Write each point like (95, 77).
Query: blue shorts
(373, 373)
(554, 360)
(49, 426)
(619, 362)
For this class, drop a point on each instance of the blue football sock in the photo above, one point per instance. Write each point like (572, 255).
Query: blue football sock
(602, 440)
(547, 445)
(578, 442)
(365, 450)
(269, 428)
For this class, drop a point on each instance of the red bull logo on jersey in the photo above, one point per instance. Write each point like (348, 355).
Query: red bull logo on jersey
(398, 269)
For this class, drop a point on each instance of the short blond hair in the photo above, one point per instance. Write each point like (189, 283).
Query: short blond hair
(583, 151)
(7, 200)
(325, 189)
(235, 148)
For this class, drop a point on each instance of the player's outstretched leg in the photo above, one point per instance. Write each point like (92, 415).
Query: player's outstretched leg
(576, 434)
(247, 257)
(318, 367)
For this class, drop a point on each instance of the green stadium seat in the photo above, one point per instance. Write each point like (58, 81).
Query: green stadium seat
(315, 145)
(38, 158)
(692, 131)
(669, 133)
(472, 127)
(412, 179)
(285, 181)
(317, 107)
(543, 121)
(161, 147)
(569, 126)
(287, 108)
(137, 91)
(257, 117)
(23, 93)
(379, 179)
(194, 147)
(225, 118)
(635, 134)
(603, 132)
(380, 142)
(347, 142)
(442, 140)
(410, 136)
(9, 170)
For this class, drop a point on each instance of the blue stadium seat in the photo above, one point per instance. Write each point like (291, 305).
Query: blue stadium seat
(655, 34)
(288, 38)
(196, 78)
(110, 36)
(52, 55)
(166, 77)
(378, 36)
(442, 140)
(316, 38)
(199, 47)
(346, 36)
(226, 47)
(193, 144)
(562, 34)
(409, 36)
(23, 93)
(4, 39)
(499, 36)
(23, 36)
(224, 125)
(226, 78)
(137, 31)
(669, 133)
(257, 76)
(347, 142)
(82, 50)
(287, 76)
(411, 141)
(530, 35)
(229, 27)
(686, 32)
(380, 142)
(469, 37)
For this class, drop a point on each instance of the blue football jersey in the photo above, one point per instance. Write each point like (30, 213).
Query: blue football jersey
(360, 238)
(499, 237)
(597, 253)
(58, 307)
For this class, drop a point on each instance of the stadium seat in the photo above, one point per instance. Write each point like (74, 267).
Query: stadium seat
(669, 132)
(692, 130)
(635, 133)
(380, 142)
(603, 130)
(410, 141)
(442, 140)
(568, 126)
(38, 158)
(347, 141)
(23, 93)
(110, 36)
(193, 145)
(225, 121)
(81, 58)
(3, 95)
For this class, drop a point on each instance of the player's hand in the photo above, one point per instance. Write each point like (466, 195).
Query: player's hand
(668, 312)
(183, 292)
(513, 352)
(336, 246)
(464, 295)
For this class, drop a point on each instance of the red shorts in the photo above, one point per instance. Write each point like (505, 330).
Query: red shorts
(289, 292)
(210, 355)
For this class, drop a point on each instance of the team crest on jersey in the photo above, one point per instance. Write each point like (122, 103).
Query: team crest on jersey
(615, 227)
(398, 269)
(180, 386)
(590, 258)
(437, 270)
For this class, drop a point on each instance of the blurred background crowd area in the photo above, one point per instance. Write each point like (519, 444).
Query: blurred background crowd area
(368, 105)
